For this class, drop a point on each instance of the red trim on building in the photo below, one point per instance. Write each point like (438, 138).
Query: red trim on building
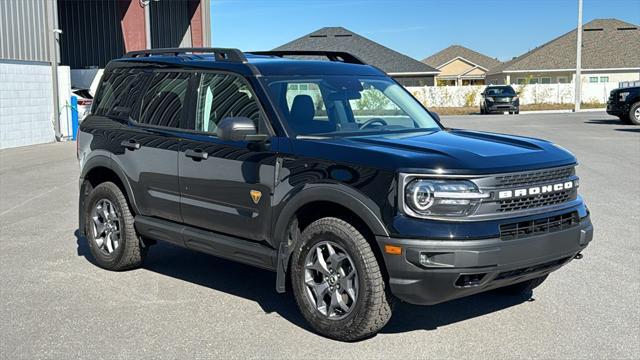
(132, 23)
(197, 39)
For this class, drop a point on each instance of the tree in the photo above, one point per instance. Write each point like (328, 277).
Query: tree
(372, 100)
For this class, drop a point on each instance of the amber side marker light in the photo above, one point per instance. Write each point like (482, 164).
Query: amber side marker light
(393, 250)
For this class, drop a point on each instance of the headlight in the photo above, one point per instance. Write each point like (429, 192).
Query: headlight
(441, 198)
(623, 96)
(514, 98)
(489, 98)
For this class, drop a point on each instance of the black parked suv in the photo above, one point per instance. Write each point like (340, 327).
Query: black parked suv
(625, 104)
(328, 173)
(499, 98)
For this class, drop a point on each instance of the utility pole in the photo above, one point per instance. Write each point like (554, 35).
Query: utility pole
(578, 95)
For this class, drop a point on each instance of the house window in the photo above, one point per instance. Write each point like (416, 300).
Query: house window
(533, 81)
(593, 79)
(521, 81)
(604, 79)
(545, 80)
(563, 79)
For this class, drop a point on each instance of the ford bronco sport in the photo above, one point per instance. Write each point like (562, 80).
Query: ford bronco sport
(328, 173)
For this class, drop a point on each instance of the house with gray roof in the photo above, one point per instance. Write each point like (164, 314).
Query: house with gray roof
(610, 53)
(408, 71)
(459, 65)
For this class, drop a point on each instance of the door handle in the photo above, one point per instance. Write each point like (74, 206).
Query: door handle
(196, 154)
(130, 144)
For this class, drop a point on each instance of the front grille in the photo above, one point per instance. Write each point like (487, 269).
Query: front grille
(534, 177)
(536, 201)
(531, 269)
(539, 226)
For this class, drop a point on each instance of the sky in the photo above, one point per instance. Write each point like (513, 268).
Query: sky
(501, 29)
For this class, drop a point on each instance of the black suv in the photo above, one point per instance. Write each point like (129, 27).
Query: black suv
(328, 173)
(499, 98)
(625, 104)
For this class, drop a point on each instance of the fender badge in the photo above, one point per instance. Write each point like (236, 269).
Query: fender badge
(255, 196)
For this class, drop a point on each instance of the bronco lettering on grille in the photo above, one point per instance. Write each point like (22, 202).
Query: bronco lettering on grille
(536, 190)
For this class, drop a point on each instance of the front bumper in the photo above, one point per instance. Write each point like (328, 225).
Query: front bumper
(617, 108)
(456, 268)
(501, 107)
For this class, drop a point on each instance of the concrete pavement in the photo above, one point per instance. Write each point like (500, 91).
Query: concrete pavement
(54, 303)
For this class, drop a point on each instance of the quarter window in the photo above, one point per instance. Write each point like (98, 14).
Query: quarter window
(224, 95)
(118, 93)
(164, 99)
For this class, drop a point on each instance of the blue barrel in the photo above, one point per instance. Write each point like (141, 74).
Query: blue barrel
(74, 117)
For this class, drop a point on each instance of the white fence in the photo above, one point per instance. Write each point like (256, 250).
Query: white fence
(459, 96)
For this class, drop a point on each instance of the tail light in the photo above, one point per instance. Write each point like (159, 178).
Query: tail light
(85, 101)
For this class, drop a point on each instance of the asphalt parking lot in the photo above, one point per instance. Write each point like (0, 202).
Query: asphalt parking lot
(54, 303)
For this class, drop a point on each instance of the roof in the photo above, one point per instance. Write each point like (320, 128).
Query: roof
(606, 44)
(341, 39)
(445, 56)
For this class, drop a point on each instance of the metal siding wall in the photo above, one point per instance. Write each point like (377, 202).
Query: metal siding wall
(92, 34)
(170, 21)
(23, 30)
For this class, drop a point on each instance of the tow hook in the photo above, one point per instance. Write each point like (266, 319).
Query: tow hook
(578, 256)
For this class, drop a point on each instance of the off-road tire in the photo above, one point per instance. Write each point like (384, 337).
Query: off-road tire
(374, 302)
(522, 288)
(130, 252)
(631, 117)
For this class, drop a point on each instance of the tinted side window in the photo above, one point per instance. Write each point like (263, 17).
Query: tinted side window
(118, 93)
(163, 101)
(224, 95)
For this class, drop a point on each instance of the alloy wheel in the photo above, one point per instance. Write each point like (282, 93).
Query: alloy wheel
(331, 280)
(637, 114)
(106, 226)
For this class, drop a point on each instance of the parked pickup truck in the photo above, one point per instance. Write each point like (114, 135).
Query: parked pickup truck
(328, 173)
(625, 104)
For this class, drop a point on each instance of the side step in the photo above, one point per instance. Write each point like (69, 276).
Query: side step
(224, 246)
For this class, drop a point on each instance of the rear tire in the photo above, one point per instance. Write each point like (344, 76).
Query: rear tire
(523, 287)
(363, 303)
(109, 229)
(634, 114)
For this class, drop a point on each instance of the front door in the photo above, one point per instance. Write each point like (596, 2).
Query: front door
(225, 186)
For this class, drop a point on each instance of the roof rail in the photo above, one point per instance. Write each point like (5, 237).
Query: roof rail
(331, 55)
(220, 54)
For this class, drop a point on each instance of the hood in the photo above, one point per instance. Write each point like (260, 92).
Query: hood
(446, 152)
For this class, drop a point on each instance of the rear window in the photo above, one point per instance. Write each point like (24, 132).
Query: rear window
(163, 101)
(118, 93)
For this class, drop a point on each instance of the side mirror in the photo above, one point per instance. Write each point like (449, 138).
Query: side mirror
(434, 115)
(482, 93)
(238, 129)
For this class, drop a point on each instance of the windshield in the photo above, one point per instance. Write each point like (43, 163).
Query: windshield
(341, 105)
(503, 90)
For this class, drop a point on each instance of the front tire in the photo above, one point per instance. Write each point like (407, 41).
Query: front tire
(634, 114)
(522, 288)
(337, 282)
(109, 229)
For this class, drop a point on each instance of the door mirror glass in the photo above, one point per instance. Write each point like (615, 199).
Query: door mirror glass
(239, 128)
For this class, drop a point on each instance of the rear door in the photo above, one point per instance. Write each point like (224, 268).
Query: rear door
(225, 186)
(147, 144)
